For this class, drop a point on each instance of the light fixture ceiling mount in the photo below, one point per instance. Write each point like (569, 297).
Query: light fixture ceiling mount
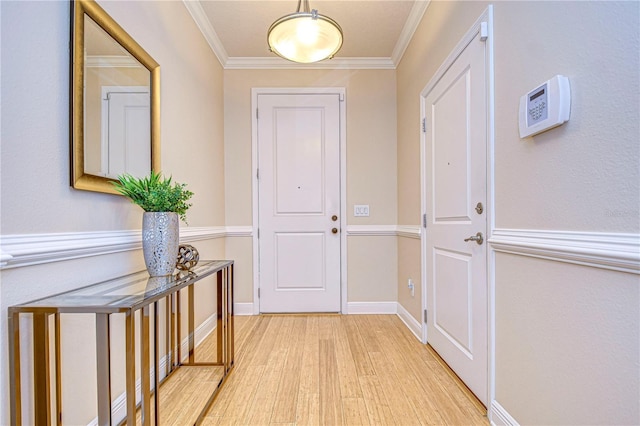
(305, 36)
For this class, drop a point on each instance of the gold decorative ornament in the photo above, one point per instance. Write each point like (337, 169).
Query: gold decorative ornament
(188, 257)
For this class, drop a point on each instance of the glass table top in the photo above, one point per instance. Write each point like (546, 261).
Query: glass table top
(125, 292)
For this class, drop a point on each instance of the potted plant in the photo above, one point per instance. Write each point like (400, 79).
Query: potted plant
(164, 202)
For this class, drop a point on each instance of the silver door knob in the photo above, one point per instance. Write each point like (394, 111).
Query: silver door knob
(477, 238)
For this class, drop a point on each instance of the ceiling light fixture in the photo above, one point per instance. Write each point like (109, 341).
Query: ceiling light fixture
(305, 36)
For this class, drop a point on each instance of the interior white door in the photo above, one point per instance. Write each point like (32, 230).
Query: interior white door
(299, 202)
(127, 124)
(456, 192)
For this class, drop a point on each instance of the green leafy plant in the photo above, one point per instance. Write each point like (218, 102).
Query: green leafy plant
(155, 194)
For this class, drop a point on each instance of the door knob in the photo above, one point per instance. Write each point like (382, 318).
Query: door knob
(477, 238)
(334, 218)
(334, 231)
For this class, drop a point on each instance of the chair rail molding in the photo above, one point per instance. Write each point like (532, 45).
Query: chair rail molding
(32, 249)
(614, 251)
(408, 231)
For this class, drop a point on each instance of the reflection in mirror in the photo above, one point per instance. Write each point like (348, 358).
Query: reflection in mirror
(117, 98)
(115, 102)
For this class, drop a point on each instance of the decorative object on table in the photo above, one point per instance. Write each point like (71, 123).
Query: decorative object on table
(163, 202)
(188, 257)
(160, 232)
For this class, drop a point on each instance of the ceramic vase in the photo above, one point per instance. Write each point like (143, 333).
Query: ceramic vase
(160, 232)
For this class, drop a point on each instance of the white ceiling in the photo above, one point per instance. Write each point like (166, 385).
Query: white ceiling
(376, 32)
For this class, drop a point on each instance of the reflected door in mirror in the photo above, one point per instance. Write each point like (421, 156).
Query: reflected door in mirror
(117, 137)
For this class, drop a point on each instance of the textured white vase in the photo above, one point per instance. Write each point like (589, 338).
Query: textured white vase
(160, 237)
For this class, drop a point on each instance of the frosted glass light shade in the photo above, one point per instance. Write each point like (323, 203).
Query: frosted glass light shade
(305, 37)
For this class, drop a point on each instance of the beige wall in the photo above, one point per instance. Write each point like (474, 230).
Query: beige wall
(372, 271)
(409, 268)
(584, 175)
(371, 161)
(35, 196)
(567, 343)
(567, 349)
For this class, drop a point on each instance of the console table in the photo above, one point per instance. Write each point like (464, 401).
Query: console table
(135, 295)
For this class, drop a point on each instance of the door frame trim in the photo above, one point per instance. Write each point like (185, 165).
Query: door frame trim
(341, 92)
(485, 18)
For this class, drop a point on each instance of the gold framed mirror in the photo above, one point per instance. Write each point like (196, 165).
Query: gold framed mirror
(115, 102)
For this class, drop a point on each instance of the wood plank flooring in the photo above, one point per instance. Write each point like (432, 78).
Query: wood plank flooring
(337, 370)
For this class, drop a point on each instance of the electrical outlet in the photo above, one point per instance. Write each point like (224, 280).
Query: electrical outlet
(411, 287)
(361, 210)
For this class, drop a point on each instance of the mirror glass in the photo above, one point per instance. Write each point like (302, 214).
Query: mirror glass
(115, 114)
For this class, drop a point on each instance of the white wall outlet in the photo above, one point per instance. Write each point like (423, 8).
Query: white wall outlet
(411, 287)
(361, 210)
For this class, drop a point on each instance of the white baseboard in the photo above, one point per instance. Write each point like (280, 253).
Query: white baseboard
(499, 416)
(412, 324)
(242, 309)
(119, 404)
(372, 308)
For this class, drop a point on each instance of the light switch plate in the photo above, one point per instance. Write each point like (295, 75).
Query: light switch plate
(361, 210)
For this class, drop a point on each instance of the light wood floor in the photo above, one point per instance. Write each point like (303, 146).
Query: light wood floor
(337, 370)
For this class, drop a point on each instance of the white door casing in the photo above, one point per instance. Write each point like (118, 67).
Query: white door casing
(455, 106)
(299, 202)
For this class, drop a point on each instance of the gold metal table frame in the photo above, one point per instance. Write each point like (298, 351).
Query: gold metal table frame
(128, 295)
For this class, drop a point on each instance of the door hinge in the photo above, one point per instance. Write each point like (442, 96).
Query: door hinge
(257, 113)
(257, 173)
(425, 316)
(424, 220)
(258, 292)
(424, 125)
(484, 31)
(258, 232)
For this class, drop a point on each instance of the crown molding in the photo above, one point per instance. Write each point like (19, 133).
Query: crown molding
(200, 17)
(236, 62)
(111, 61)
(335, 63)
(411, 25)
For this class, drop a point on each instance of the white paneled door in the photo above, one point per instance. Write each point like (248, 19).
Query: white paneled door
(126, 124)
(299, 202)
(456, 197)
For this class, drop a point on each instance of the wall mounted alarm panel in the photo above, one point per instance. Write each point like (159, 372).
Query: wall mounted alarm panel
(545, 107)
